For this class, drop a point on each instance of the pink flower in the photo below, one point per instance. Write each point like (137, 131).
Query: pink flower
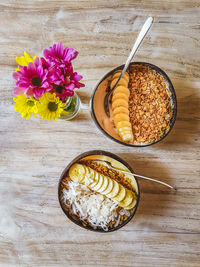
(59, 55)
(64, 81)
(61, 91)
(54, 74)
(33, 80)
(75, 78)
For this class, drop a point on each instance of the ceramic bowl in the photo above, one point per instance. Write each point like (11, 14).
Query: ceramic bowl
(101, 155)
(105, 124)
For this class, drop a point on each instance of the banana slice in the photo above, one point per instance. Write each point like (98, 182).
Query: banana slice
(132, 205)
(120, 110)
(85, 177)
(114, 191)
(89, 177)
(96, 180)
(122, 89)
(120, 96)
(104, 185)
(109, 187)
(120, 117)
(77, 172)
(121, 195)
(118, 73)
(119, 103)
(127, 200)
(121, 82)
(127, 137)
(99, 184)
(124, 129)
(124, 133)
(122, 124)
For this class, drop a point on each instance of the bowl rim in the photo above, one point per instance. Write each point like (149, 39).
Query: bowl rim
(83, 155)
(160, 71)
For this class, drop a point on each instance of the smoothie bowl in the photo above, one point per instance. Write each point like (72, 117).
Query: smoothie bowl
(143, 106)
(96, 197)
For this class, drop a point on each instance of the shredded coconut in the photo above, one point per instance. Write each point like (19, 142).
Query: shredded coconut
(96, 208)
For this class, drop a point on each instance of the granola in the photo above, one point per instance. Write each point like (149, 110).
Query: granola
(149, 104)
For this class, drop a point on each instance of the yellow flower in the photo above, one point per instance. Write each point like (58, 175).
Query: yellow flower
(50, 106)
(25, 106)
(24, 60)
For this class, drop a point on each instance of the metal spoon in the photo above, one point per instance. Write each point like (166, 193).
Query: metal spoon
(138, 41)
(140, 176)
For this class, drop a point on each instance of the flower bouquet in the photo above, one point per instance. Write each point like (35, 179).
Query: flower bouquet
(45, 85)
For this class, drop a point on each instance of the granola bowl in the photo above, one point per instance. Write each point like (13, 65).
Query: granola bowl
(96, 197)
(143, 107)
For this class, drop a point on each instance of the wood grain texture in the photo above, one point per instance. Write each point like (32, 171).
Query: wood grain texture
(33, 229)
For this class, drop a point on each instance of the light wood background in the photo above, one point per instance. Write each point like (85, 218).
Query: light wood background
(33, 229)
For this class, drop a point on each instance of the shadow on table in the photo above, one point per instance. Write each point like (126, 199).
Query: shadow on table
(152, 194)
(85, 97)
(84, 113)
(186, 124)
(156, 200)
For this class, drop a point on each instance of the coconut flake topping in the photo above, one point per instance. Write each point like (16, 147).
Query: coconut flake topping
(96, 208)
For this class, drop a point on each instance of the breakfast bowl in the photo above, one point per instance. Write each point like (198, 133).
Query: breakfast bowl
(96, 197)
(143, 106)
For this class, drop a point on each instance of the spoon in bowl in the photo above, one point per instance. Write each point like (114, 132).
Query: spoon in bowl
(138, 41)
(137, 175)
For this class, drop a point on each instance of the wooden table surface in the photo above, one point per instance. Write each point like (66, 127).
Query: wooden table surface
(166, 229)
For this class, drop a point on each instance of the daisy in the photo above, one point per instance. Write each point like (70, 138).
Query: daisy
(24, 60)
(75, 78)
(50, 106)
(59, 55)
(32, 80)
(61, 91)
(25, 106)
(65, 81)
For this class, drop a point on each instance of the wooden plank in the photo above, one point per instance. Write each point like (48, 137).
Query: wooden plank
(33, 229)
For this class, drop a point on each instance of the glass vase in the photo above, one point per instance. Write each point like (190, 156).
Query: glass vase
(72, 107)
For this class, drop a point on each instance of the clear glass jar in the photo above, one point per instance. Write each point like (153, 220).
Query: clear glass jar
(72, 107)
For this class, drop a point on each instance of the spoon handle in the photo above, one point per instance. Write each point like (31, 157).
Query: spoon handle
(137, 43)
(146, 178)
(137, 175)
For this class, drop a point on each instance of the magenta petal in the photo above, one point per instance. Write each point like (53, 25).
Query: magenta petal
(59, 49)
(29, 92)
(30, 67)
(57, 82)
(67, 93)
(78, 85)
(23, 84)
(40, 70)
(70, 54)
(70, 86)
(70, 93)
(38, 93)
(45, 53)
(45, 64)
(48, 89)
(18, 91)
(37, 61)
(46, 85)
(17, 75)
(77, 77)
